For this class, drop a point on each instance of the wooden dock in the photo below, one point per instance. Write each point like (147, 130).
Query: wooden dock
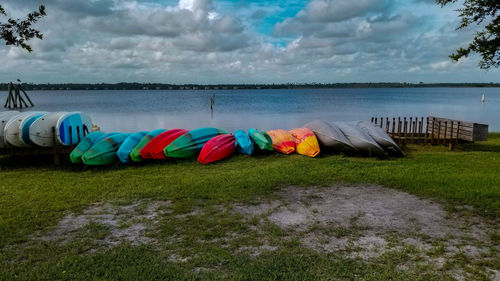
(431, 130)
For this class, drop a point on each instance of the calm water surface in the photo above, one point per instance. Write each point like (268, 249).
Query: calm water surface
(134, 110)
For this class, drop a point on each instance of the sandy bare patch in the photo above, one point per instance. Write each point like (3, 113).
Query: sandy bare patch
(121, 223)
(371, 207)
(369, 221)
(255, 251)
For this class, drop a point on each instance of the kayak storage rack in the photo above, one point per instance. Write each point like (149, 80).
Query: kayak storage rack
(56, 150)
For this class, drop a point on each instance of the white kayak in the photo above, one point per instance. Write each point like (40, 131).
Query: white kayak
(41, 131)
(16, 130)
(330, 136)
(381, 137)
(5, 116)
(361, 139)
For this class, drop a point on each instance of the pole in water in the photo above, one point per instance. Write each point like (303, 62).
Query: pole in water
(212, 102)
(483, 99)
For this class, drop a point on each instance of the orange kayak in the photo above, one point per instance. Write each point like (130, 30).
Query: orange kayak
(306, 142)
(282, 141)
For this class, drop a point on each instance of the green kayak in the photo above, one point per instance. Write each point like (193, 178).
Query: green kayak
(84, 145)
(190, 144)
(135, 155)
(261, 139)
(104, 152)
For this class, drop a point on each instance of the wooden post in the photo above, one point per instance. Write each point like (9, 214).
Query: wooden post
(14, 101)
(9, 94)
(16, 97)
(432, 130)
(393, 126)
(56, 155)
(439, 132)
(71, 137)
(372, 119)
(458, 131)
(399, 131)
(445, 131)
(426, 129)
(85, 132)
(405, 124)
(20, 98)
(410, 123)
(78, 134)
(451, 137)
(420, 129)
(381, 121)
(412, 128)
(27, 97)
(417, 128)
(387, 123)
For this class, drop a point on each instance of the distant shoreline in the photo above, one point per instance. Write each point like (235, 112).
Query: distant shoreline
(162, 86)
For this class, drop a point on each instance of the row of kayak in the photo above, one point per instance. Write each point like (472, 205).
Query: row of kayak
(213, 144)
(36, 128)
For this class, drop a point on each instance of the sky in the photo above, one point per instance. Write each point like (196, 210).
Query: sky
(242, 41)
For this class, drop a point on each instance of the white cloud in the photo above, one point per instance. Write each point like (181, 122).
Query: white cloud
(197, 41)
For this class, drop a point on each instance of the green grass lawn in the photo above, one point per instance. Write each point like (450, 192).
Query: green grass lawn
(35, 195)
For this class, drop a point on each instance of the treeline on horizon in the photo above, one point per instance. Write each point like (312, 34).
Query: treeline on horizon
(162, 86)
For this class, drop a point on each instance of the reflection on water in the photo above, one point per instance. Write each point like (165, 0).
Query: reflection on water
(268, 109)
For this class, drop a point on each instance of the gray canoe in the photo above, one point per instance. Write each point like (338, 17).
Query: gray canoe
(365, 144)
(330, 136)
(381, 137)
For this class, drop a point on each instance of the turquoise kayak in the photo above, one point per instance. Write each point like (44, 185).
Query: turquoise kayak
(243, 142)
(128, 145)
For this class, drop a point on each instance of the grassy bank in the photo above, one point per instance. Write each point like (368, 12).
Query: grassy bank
(35, 195)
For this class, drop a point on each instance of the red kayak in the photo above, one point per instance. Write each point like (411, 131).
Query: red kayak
(217, 148)
(154, 148)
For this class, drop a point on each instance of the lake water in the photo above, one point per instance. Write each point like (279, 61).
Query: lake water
(134, 110)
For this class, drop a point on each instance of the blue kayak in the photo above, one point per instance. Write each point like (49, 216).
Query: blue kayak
(243, 142)
(106, 136)
(128, 145)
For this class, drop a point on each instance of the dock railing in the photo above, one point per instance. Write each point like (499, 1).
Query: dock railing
(431, 130)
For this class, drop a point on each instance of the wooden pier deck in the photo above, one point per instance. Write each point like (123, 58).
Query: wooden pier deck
(431, 130)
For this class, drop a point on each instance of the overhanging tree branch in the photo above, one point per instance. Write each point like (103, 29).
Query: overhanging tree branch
(18, 32)
(486, 42)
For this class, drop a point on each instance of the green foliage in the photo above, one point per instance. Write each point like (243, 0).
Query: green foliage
(34, 195)
(486, 42)
(18, 32)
